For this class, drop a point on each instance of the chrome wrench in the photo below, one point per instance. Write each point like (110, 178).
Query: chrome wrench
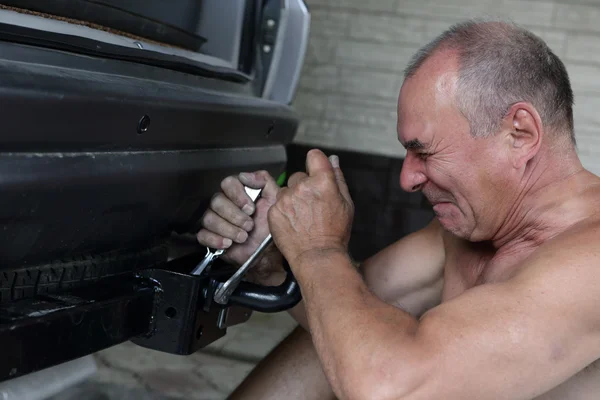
(224, 291)
(212, 255)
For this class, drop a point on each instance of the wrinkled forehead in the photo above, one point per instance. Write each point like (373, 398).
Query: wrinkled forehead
(426, 99)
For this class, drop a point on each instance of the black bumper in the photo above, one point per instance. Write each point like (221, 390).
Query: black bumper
(99, 154)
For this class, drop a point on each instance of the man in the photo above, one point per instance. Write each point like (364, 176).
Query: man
(498, 297)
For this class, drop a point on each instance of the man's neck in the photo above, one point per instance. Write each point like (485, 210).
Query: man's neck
(548, 203)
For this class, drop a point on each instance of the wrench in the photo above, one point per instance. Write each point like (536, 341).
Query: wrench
(223, 293)
(212, 255)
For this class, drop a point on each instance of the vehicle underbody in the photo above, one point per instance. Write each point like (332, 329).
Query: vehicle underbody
(112, 145)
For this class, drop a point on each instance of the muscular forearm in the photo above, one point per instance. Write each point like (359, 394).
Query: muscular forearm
(299, 311)
(362, 342)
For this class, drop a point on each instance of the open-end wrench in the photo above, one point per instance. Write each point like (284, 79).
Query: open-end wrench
(211, 255)
(224, 291)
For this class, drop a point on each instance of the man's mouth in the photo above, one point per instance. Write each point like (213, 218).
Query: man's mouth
(441, 207)
(437, 201)
(437, 198)
(439, 204)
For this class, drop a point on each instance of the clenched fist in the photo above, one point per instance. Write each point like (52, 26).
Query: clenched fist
(235, 223)
(314, 213)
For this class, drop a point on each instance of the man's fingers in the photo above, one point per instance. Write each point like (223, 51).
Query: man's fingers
(261, 180)
(214, 223)
(295, 178)
(231, 212)
(339, 177)
(234, 190)
(317, 162)
(211, 239)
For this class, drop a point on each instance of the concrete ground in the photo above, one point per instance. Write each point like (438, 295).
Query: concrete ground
(128, 371)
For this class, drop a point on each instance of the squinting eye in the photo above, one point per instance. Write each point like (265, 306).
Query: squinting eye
(423, 156)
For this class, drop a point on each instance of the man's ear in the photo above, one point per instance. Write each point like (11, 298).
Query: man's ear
(524, 133)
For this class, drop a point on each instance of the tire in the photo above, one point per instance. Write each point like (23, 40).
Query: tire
(82, 271)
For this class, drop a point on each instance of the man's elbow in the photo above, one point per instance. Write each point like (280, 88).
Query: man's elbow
(403, 377)
(399, 380)
(379, 386)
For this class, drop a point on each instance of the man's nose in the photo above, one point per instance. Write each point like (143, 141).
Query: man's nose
(412, 177)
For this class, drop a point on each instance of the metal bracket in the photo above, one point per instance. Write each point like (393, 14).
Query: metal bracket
(164, 309)
(49, 330)
(185, 318)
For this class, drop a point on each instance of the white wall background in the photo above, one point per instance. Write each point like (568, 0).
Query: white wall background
(359, 48)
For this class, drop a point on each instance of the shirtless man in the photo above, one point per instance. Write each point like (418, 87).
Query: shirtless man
(497, 298)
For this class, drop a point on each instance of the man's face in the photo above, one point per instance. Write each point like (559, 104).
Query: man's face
(461, 176)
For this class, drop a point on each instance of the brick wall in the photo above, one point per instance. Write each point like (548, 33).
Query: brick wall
(358, 49)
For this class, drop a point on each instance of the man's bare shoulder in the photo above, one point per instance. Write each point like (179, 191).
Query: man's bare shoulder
(581, 217)
(581, 236)
(571, 259)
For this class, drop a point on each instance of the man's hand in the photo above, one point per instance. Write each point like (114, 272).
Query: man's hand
(314, 213)
(235, 223)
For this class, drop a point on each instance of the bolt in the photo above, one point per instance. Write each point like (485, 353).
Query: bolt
(270, 130)
(270, 23)
(143, 124)
(139, 45)
(267, 48)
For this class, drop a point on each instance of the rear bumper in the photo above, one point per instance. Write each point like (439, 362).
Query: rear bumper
(80, 175)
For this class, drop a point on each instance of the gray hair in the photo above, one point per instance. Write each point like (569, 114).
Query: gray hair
(501, 64)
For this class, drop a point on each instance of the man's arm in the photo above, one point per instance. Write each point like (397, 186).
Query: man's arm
(407, 274)
(512, 340)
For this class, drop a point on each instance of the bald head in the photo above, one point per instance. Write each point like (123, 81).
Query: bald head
(495, 65)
